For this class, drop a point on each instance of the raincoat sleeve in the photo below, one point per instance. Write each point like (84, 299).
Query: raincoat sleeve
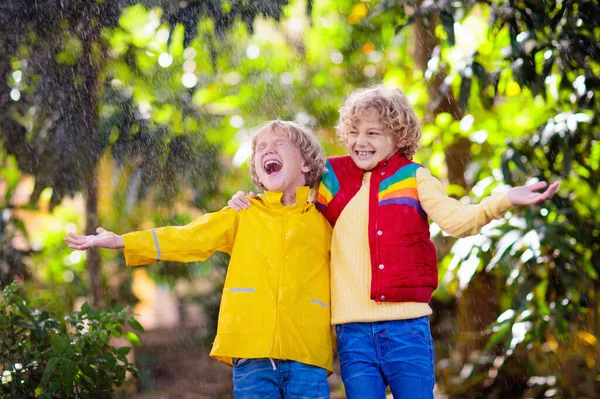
(454, 218)
(193, 242)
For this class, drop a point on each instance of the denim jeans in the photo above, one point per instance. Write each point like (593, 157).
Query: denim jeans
(397, 353)
(278, 379)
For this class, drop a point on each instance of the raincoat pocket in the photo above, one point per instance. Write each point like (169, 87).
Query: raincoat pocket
(242, 311)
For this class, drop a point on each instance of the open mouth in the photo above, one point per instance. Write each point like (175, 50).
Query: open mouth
(272, 166)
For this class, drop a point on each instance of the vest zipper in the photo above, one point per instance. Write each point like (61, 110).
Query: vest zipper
(375, 175)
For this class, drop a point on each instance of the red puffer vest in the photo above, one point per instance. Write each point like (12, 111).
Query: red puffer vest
(403, 260)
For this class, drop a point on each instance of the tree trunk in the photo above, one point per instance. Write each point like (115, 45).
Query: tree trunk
(96, 287)
(476, 306)
(90, 66)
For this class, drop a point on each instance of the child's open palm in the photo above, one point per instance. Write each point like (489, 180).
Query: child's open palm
(530, 195)
(104, 239)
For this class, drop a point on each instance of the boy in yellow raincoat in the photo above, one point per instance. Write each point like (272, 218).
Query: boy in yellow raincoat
(273, 325)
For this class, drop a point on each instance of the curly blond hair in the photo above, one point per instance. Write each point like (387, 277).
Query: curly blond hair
(304, 139)
(397, 116)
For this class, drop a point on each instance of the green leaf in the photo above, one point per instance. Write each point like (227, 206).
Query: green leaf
(60, 343)
(135, 325)
(124, 351)
(49, 369)
(54, 386)
(499, 336)
(85, 308)
(66, 373)
(133, 338)
(120, 374)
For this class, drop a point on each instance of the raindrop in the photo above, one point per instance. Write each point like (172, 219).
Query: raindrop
(75, 257)
(506, 316)
(189, 66)
(466, 123)
(479, 136)
(232, 78)
(165, 59)
(162, 35)
(374, 57)
(337, 57)
(144, 107)
(302, 118)
(68, 276)
(15, 94)
(189, 53)
(286, 78)
(370, 71)
(579, 85)
(295, 25)
(236, 121)
(252, 51)
(189, 80)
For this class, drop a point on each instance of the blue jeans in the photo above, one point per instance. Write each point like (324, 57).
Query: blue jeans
(397, 353)
(281, 379)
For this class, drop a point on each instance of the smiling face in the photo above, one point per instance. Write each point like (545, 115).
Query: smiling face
(278, 162)
(369, 142)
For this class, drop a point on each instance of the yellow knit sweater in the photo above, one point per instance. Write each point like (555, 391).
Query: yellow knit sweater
(350, 254)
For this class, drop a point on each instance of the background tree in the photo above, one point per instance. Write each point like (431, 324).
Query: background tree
(56, 55)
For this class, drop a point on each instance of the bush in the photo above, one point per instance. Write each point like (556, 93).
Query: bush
(44, 357)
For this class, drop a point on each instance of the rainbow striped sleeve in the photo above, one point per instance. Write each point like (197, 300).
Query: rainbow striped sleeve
(401, 188)
(328, 188)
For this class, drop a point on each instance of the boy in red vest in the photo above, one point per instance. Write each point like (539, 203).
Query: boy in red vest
(383, 263)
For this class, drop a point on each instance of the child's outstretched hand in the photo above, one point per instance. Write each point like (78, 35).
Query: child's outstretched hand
(529, 195)
(239, 200)
(104, 239)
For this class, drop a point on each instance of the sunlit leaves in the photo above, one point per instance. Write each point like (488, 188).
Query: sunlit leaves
(140, 24)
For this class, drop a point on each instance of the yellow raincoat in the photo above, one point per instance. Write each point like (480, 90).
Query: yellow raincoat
(275, 301)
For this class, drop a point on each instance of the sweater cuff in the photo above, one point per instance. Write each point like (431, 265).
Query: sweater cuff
(503, 204)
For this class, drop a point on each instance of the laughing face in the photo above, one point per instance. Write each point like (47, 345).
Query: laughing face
(369, 142)
(278, 163)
